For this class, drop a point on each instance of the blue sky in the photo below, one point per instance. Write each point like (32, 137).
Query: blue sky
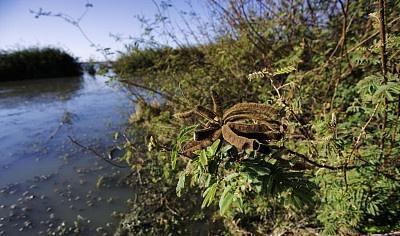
(19, 28)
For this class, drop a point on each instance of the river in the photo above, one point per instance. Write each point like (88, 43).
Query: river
(48, 185)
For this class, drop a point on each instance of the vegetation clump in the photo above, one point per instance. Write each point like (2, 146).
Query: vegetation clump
(329, 68)
(157, 60)
(37, 63)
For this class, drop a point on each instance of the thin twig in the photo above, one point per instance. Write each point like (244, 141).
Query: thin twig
(394, 135)
(96, 153)
(371, 36)
(362, 131)
(168, 149)
(75, 22)
(329, 62)
(302, 130)
(314, 163)
(130, 82)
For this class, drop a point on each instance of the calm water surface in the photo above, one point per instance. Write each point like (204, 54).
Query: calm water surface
(47, 184)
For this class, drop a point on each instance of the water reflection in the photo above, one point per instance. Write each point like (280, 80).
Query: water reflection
(45, 181)
(15, 93)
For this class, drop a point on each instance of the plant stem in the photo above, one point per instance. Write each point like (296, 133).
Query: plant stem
(382, 30)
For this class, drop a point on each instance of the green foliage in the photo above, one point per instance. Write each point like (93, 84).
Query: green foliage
(182, 136)
(142, 62)
(337, 167)
(236, 182)
(36, 63)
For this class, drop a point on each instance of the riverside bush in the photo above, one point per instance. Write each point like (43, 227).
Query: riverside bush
(331, 68)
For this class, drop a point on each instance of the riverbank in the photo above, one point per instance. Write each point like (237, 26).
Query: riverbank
(37, 63)
(315, 95)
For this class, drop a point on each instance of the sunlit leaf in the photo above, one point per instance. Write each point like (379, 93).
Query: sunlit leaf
(226, 200)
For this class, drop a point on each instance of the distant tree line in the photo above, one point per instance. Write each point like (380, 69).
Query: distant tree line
(35, 63)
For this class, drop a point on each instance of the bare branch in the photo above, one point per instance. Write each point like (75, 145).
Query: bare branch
(92, 150)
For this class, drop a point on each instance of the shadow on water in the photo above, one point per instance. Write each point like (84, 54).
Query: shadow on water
(47, 184)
